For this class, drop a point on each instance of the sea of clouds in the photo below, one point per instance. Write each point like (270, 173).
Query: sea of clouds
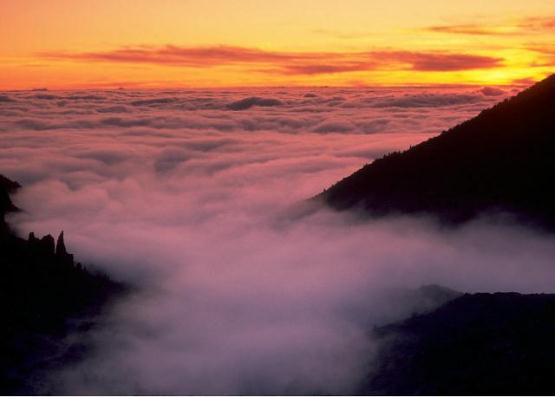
(198, 200)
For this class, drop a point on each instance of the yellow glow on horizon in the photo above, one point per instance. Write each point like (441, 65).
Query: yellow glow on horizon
(514, 33)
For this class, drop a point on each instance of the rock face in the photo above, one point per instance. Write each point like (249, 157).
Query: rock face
(501, 160)
(41, 289)
(477, 344)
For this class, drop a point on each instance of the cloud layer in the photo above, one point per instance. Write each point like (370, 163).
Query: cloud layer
(361, 111)
(287, 63)
(243, 288)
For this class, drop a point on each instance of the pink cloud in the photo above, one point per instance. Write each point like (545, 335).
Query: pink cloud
(259, 303)
(292, 63)
(443, 61)
(199, 207)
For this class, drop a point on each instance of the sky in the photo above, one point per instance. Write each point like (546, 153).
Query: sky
(64, 44)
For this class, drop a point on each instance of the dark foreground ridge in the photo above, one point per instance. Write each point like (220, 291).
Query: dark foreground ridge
(477, 344)
(501, 160)
(44, 295)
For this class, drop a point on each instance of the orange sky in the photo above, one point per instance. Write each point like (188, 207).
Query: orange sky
(211, 43)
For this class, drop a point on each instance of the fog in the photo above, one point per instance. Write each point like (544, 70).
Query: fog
(198, 200)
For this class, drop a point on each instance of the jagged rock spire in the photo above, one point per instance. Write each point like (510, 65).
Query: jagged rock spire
(60, 245)
(47, 244)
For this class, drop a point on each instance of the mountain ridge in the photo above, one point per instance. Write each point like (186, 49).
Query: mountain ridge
(501, 160)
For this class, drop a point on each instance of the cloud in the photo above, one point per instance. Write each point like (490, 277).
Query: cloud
(428, 100)
(326, 111)
(492, 91)
(542, 24)
(47, 96)
(241, 288)
(85, 97)
(518, 27)
(339, 67)
(286, 63)
(170, 159)
(182, 56)
(247, 103)
(471, 29)
(372, 126)
(546, 52)
(527, 81)
(334, 127)
(106, 155)
(113, 109)
(34, 124)
(150, 102)
(448, 62)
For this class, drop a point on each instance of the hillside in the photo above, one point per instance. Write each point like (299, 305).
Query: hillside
(501, 160)
(476, 344)
(42, 292)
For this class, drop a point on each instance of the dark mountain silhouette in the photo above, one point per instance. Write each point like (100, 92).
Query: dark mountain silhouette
(476, 344)
(501, 160)
(44, 295)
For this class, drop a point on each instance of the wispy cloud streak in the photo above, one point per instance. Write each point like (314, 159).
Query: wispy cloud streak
(287, 63)
(522, 26)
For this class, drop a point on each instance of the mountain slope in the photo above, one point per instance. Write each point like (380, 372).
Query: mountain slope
(42, 292)
(503, 159)
(477, 344)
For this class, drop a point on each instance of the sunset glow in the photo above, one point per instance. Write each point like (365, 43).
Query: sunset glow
(103, 44)
(265, 198)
